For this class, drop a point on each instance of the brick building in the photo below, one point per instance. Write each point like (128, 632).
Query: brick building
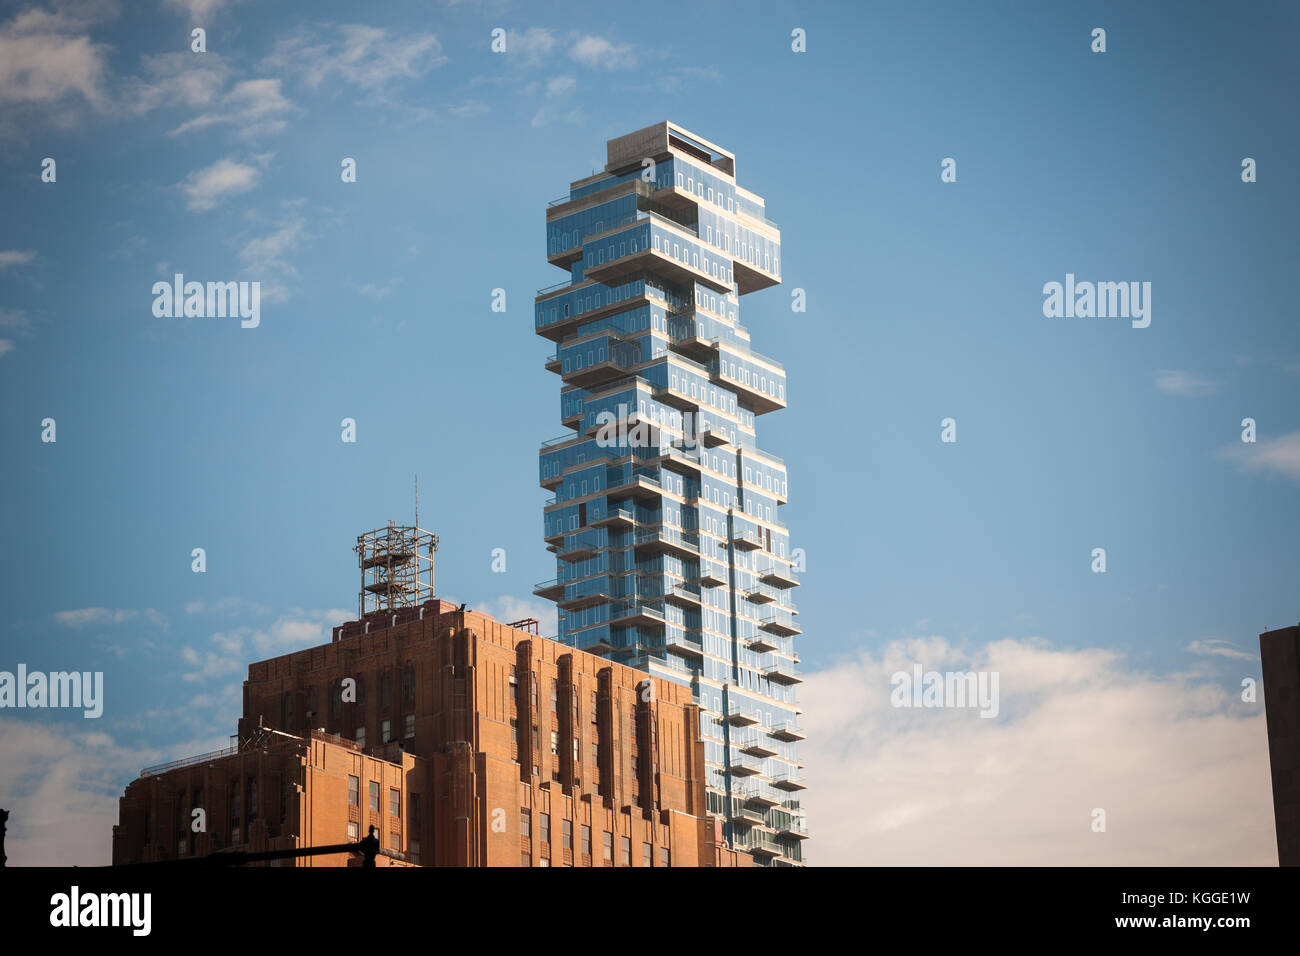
(464, 741)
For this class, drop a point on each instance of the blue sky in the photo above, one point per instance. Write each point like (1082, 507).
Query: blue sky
(924, 302)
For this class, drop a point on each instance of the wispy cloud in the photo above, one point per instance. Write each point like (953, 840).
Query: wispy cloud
(199, 11)
(1184, 384)
(1277, 456)
(266, 258)
(372, 58)
(252, 107)
(1179, 764)
(85, 616)
(1216, 647)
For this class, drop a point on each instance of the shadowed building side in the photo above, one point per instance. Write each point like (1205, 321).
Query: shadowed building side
(1279, 653)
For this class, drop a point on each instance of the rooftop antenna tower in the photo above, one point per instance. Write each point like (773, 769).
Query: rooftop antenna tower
(396, 565)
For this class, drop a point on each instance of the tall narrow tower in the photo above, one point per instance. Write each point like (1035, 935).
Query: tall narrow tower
(670, 552)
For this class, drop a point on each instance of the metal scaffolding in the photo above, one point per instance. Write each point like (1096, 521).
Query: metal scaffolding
(396, 568)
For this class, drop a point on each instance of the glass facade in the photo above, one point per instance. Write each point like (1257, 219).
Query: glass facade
(665, 521)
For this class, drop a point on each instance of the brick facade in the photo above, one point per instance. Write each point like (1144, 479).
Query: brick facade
(500, 748)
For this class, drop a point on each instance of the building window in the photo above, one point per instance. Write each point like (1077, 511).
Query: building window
(361, 736)
(374, 795)
(394, 841)
(394, 802)
(234, 835)
(415, 809)
(555, 743)
(544, 827)
(408, 682)
(413, 851)
(409, 731)
(566, 834)
(664, 856)
(354, 790)
(525, 859)
(361, 690)
(585, 835)
(525, 822)
(609, 847)
(625, 851)
(386, 730)
(646, 855)
(252, 796)
(352, 831)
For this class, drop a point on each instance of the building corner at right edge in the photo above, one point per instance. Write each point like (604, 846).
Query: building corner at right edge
(1279, 655)
(670, 553)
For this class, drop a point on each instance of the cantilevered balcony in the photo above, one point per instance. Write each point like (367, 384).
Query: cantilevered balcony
(741, 717)
(788, 730)
(779, 623)
(757, 744)
(670, 540)
(757, 399)
(746, 540)
(712, 574)
(778, 576)
(551, 590)
(761, 644)
(639, 615)
(617, 518)
(761, 594)
(680, 641)
(742, 766)
(683, 594)
(782, 673)
(579, 547)
(756, 794)
(788, 780)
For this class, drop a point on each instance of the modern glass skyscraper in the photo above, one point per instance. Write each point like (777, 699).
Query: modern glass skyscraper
(671, 555)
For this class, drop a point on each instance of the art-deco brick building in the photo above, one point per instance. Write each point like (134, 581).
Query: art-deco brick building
(463, 741)
(1279, 653)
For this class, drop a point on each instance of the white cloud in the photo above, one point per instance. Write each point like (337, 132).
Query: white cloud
(198, 11)
(508, 608)
(232, 651)
(379, 292)
(205, 188)
(6, 346)
(62, 789)
(85, 616)
(15, 257)
(1216, 647)
(14, 319)
(1179, 764)
(47, 60)
(1184, 384)
(561, 85)
(1276, 456)
(599, 53)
